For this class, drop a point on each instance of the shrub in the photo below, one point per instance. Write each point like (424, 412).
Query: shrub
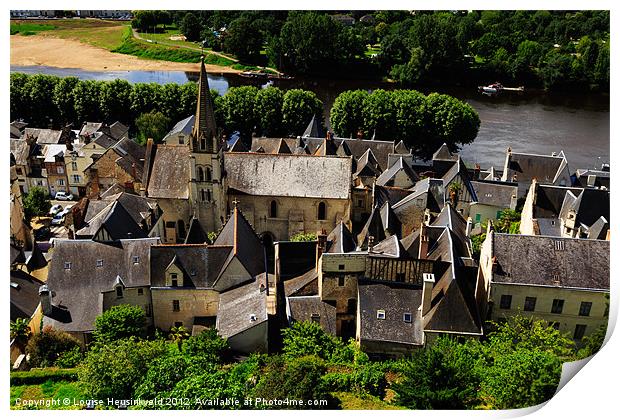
(48, 347)
(207, 345)
(39, 376)
(119, 322)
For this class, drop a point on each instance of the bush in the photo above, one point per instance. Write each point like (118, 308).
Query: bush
(207, 345)
(119, 322)
(50, 346)
(39, 376)
(308, 339)
(71, 358)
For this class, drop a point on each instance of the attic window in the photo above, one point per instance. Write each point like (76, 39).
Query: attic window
(340, 266)
(381, 314)
(315, 318)
(252, 318)
(14, 285)
(119, 291)
(67, 265)
(407, 317)
(136, 259)
(192, 272)
(99, 263)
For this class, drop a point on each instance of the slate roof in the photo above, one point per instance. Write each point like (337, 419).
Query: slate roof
(601, 178)
(387, 178)
(184, 126)
(314, 128)
(444, 153)
(340, 239)
(395, 299)
(546, 169)
(89, 128)
(24, 294)
(589, 205)
(36, 260)
(380, 149)
(381, 223)
(436, 195)
(201, 264)
(401, 149)
(51, 151)
(103, 140)
(301, 308)
(77, 291)
(118, 130)
(549, 261)
(495, 194)
(196, 234)
(20, 150)
(392, 195)
(237, 145)
(599, 229)
(44, 135)
(170, 172)
(308, 279)
(240, 309)
(367, 165)
(131, 157)
(549, 200)
(390, 247)
(247, 246)
(289, 175)
(272, 145)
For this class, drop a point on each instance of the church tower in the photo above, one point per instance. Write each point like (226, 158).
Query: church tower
(207, 184)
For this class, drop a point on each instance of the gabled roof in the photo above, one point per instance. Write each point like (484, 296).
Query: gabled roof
(36, 260)
(247, 246)
(395, 299)
(459, 169)
(301, 308)
(170, 174)
(196, 234)
(588, 206)
(24, 294)
(381, 223)
(44, 135)
(340, 239)
(204, 122)
(546, 169)
(20, 150)
(131, 155)
(52, 151)
(283, 148)
(392, 195)
(401, 149)
(118, 130)
(327, 148)
(89, 128)
(238, 146)
(388, 177)
(184, 127)
(343, 150)
(308, 280)
(495, 193)
(77, 291)
(550, 261)
(289, 175)
(599, 229)
(240, 309)
(444, 153)
(104, 140)
(390, 247)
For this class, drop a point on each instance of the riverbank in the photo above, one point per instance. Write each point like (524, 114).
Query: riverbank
(36, 50)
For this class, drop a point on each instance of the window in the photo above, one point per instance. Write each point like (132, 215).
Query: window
(203, 144)
(19, 171)
(140, 291)
(67, 265)
(60, 170)
(530, 304)
(61, 182)
(176, 306)
(322, 212)
(76, 178)
(381, 314)
(147, 310)
(136, 259)
(477, 217)
(315, 318)
(340, 266)
(178, 324)
(580, 331)
(407, 317)
(340, 281)
(119, 291)
(557, 306)
(559, 245)
(209, 195)
(352, 306)
(74, 166)
(208, 174)
(360, 203)
(181, 139)
(584, 309)
(99, 263)
(175, 283)
(273, 209)
(505, 302)
(201, 174)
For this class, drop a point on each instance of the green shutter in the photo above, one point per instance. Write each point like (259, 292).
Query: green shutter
(477, 217)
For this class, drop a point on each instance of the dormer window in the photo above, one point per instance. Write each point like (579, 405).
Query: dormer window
(381, 314)
(119, 291)
(136, 259)
(407, 317)
(315, 318)
(99, 263)
(174, 280)
(67, 265)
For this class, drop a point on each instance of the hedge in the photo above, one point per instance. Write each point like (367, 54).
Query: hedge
(39, 376)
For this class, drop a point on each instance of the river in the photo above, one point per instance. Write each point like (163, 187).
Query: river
(536, 122)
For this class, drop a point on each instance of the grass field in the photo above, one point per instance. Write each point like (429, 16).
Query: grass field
(29, 28)
(47, 391)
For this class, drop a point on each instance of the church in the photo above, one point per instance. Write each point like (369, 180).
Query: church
(193, 177)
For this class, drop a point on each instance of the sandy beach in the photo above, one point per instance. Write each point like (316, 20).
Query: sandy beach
(65, 53)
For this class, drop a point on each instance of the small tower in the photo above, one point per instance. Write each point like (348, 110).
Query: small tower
(207, 184)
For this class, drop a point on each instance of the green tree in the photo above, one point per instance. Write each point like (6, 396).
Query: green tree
(298, 108)
(379, 115)
(308, 339)
(119, 322)
(36, 203)
(347, 113)
(17, 95)
(47, 347)
(115, 369)
(178, 335)
(207, 344)
(244, 39)
(86, 95)
(237, 109)
(191, 27)
(114, 100)
(153, 125)
(20, 332)
(39, 95)
(303, 237)
(268, 111)
(144, 20)
(508, 222)
(555, 69)
(146, 97)
(64, 100)
(411, 118)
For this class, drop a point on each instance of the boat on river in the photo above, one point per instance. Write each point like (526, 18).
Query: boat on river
(496, 88)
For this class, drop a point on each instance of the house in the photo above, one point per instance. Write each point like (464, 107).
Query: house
(88, 277)
(428, 194)
(522, 168)
(592, 178)
(179, 134)
(493, 198)
(76, 162)
(564, 281)
(566, 212)
(122, 163)
(54, 165)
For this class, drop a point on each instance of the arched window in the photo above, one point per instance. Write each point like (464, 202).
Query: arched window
(273, 209)
(203, 195)
(209, 195)
(201, 174)
(208, 174)
(322, 211)
(203, 143)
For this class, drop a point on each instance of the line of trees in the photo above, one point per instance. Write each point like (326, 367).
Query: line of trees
(44, 100)
(422, 122)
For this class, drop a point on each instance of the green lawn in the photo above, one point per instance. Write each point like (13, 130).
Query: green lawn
(29, 28)
(47, 391)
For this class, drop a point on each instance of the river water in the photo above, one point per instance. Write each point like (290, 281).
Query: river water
(535, 122)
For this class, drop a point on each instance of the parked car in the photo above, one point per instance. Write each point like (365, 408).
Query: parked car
(59, 219)
(42, 234)
(66, 211)
(56, 208)
(61, 195)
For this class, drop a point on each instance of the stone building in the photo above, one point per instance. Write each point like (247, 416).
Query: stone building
(522, 168)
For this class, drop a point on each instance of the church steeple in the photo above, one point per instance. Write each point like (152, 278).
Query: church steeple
(204, 132)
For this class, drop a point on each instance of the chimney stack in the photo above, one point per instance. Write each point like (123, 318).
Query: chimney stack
(427, 292)
(423, 242)
(46, 300)
(477, 171)
(371, 243)
(321, 244)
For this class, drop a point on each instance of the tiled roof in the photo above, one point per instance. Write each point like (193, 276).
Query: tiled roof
(170, 173)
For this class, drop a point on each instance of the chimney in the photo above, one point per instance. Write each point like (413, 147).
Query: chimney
(46, 300)
(133, 171)
(371, 243)
(423, 242)
(427, 292)
(477, 171)
(494, 264)
(468, 228)
(427, 217)
(321, 244)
